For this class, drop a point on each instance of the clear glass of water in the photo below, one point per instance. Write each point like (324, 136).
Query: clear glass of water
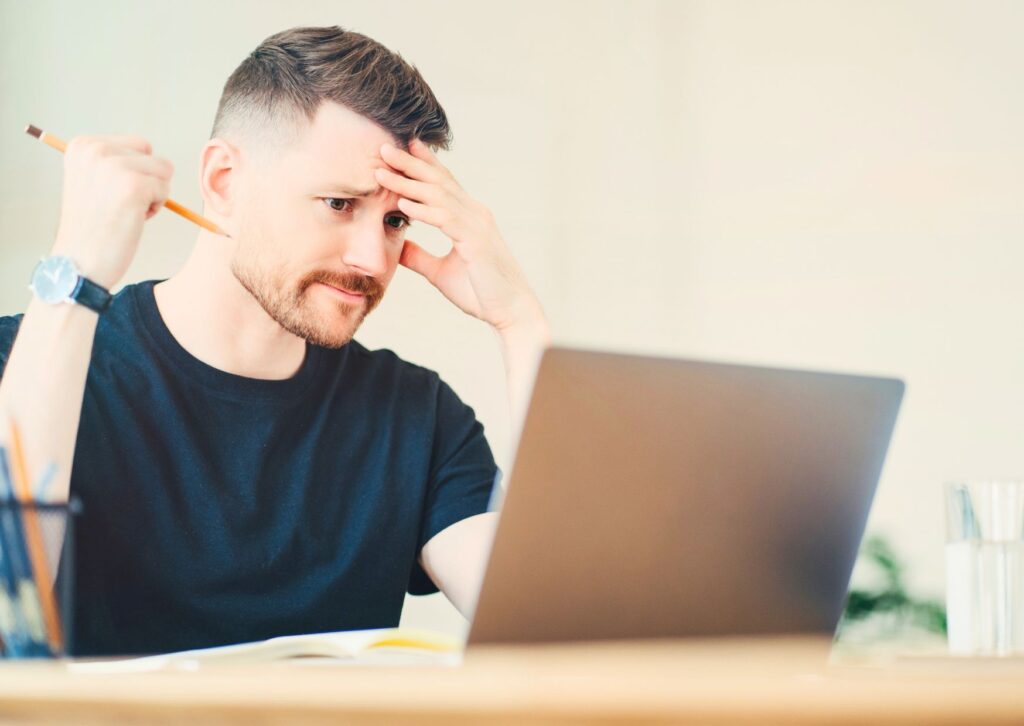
(985, 567)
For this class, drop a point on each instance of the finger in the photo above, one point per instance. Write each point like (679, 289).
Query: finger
(412, 166)
(122, 151)
(131, 141)
(152, 165)
(419, 260)
(436, 216)
(159, 191)
(419, 149)
(411, 188)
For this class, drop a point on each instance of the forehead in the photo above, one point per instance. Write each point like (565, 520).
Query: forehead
(339, 141)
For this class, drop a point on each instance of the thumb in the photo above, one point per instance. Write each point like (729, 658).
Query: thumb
(419, 260)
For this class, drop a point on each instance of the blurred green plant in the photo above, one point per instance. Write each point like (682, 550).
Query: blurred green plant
(891, 597)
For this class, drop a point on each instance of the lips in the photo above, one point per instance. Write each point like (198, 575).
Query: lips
(344, 294)
(346, 291)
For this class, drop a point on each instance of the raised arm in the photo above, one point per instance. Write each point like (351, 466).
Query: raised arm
(112, 184)
(481, 277)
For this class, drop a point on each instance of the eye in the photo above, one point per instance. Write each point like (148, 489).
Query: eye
(403, 222)
(331, 202)
(337, 204)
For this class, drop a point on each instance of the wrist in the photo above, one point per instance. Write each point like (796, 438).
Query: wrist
(61, 317)
(527, 332)
(528, 322)
(57, 279)
(87, 264)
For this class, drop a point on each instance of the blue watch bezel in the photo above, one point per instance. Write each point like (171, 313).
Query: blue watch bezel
(50, 299)
(84, 291)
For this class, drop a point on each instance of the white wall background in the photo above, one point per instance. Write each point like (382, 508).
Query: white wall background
(819, 184)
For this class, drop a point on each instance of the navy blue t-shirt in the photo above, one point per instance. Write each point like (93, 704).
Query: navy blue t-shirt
(219, 508)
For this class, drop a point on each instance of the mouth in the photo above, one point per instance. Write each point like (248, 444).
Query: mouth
(342, 294)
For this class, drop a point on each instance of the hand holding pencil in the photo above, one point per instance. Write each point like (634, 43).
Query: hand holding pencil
(112, 185)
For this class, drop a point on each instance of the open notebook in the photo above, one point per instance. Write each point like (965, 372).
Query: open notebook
(387, 646)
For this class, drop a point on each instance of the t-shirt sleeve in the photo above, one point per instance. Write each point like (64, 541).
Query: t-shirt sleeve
(462, 476)
(9, 325)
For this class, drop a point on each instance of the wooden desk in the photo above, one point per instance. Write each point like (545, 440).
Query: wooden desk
(753, 681)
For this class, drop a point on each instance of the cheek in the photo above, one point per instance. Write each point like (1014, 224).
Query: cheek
(260, 250)
(394, 255)
(253, 242)
(275, 232)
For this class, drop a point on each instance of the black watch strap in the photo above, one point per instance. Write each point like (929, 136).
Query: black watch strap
(91, 295)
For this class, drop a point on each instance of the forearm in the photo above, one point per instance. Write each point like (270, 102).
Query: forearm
(522, 346)
(456, 557)
(44, 383)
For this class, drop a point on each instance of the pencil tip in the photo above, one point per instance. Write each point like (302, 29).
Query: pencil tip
(33, 131)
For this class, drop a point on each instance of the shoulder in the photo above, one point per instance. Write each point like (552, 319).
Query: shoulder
(113, 319)
(112, 324)
(383, 368)
(385, 364)
(124, 306)
(9, 325)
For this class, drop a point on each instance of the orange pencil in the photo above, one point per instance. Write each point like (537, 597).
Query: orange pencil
(51, 140)
(34, 540)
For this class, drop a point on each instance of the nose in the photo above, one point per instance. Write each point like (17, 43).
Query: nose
(366, 249)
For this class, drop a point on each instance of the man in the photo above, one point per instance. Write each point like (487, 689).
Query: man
(246, 468)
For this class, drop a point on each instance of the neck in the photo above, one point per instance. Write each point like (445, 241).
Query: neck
(218, 321)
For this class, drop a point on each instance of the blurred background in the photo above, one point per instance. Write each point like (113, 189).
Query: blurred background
(834, 185)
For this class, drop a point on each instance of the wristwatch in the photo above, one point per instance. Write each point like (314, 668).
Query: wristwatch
(56, 280)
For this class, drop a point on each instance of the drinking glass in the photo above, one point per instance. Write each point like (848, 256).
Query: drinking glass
(985, 567)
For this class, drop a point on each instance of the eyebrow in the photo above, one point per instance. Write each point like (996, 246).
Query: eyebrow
(345, 189)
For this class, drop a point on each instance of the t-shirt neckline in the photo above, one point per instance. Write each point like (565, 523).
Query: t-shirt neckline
(222, 382)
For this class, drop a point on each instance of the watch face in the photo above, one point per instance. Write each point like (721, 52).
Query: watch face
(54, 279)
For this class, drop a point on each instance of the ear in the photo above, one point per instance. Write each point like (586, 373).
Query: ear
(218, 164)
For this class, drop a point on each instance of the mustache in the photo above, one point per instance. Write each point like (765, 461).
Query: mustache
(371, 287)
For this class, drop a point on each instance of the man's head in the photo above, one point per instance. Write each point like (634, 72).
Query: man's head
(296, 138)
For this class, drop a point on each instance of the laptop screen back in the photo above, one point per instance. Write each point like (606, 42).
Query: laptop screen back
(655, 497)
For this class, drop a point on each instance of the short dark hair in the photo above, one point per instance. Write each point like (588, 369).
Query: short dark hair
(288, 76)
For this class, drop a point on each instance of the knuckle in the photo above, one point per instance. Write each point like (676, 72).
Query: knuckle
(133, 142)
(124, 187)
(77, 144)
(452, 187)
(442, 197)
(128, 181)
(100, 148)
(85, 147)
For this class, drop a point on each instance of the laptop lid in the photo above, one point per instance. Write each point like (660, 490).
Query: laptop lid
(657, 497)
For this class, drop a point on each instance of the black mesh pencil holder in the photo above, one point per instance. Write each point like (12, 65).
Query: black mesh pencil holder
(36, 578)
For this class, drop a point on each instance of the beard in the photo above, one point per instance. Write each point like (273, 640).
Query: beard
(329, 323)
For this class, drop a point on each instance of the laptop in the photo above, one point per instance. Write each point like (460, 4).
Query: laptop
(653, 497)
